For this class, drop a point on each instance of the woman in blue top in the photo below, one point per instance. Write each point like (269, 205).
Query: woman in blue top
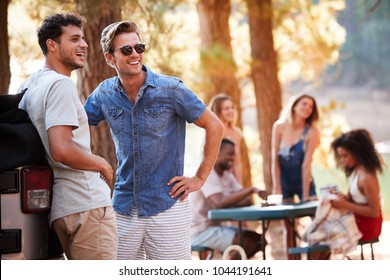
(294, 140)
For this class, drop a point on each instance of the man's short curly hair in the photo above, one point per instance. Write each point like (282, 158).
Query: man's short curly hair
(51, 27)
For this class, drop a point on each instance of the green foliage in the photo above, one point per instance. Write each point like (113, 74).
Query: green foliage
(219, 60)
(365, 56)
(307, 37)
(331, 125)
(161, 22)
(38, 9)
(23, 47)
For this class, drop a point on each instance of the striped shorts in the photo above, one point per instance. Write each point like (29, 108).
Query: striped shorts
(165, 236)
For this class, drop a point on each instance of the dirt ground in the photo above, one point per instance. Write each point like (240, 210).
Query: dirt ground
(276, 248)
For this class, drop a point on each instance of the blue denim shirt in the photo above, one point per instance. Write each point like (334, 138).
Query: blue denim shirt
(149, 138)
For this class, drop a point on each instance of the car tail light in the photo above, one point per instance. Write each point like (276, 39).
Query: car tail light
(36, 190)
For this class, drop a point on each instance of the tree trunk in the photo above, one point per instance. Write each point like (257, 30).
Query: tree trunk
(5, 71)
(99, 14)
(265, 78)
(217, 63)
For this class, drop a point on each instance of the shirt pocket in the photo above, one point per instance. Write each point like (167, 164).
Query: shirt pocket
(115, 118)
(156, 118)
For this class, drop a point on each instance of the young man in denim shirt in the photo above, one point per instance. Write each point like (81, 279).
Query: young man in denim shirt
(147, 114)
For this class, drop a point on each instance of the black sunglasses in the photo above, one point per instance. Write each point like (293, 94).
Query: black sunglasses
(127, 50)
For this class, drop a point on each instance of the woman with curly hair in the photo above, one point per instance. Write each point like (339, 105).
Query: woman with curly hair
(356, 155)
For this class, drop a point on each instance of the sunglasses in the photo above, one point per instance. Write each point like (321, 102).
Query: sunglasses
(127, 50)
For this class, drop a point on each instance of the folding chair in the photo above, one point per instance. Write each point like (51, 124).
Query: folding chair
(361, 243)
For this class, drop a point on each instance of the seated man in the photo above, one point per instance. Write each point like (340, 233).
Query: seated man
(222, 190)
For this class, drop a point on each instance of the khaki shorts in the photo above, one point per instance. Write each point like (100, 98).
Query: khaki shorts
(89, 235)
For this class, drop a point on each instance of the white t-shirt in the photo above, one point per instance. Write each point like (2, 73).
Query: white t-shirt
(214, 184)
(51, 100)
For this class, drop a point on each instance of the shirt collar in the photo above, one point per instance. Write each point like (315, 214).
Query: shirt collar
(150, 79)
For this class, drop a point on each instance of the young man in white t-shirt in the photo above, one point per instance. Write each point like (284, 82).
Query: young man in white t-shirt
(81, 211)
(222, 190)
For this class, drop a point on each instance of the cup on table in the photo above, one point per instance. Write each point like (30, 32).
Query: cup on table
(275, 199)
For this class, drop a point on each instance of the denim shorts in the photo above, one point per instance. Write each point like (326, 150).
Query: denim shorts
(290, 190)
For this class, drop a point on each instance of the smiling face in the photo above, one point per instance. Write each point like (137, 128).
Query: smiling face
(226, 156)
(130, 65)
(303, 108)
(71, 48)
(227, 111)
